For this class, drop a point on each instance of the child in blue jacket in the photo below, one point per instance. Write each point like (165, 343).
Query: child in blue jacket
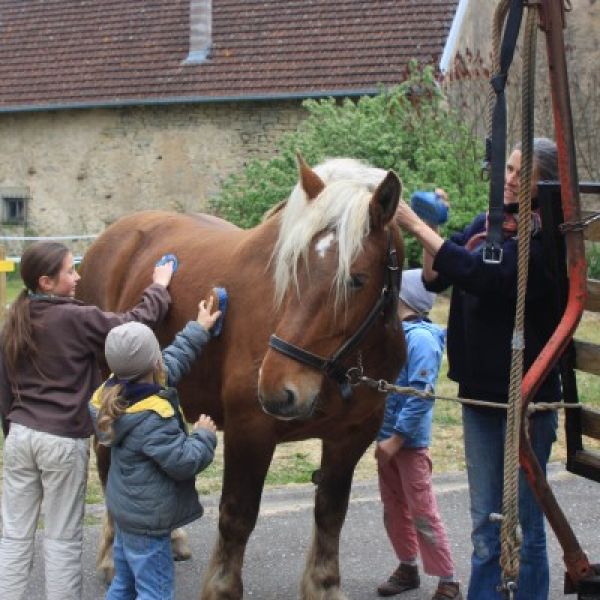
(411, 515)
(150, 488)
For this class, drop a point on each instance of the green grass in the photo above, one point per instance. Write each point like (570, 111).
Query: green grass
(296, 467)
(292, 463)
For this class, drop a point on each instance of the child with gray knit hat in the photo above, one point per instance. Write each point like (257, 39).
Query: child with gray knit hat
(150, 490)
(414, 294)
(131, 350)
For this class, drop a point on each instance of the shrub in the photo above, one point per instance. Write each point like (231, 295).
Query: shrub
(408, 129)
(593, 260)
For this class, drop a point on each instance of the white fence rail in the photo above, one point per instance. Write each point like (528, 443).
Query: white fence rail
(15, 244)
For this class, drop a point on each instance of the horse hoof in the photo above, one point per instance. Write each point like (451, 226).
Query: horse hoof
(106, 574)
(180, 545)
(331, 594)
(311, 590)
(181, 556)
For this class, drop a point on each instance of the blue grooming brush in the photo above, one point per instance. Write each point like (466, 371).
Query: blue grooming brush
(430, 207)
(221, 294)
(169, 258)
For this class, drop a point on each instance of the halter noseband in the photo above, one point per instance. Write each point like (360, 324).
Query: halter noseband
(333, 367)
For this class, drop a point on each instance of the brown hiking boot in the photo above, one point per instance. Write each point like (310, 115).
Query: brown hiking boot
(448, 591)
(405, 577)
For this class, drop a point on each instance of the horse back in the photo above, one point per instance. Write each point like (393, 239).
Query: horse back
(119, 265)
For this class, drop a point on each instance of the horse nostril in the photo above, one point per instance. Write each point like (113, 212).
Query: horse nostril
(290, 397)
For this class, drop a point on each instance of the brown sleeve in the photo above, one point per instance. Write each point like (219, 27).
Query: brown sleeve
(6, 396)
(151, 310)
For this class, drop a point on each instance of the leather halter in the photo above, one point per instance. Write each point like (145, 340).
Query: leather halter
(333, 367)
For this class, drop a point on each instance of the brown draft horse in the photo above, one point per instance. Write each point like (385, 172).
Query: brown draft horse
(311, 273)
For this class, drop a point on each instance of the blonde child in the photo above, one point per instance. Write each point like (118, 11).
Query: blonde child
(150, 488)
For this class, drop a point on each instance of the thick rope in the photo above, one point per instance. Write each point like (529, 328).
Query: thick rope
(510, 535)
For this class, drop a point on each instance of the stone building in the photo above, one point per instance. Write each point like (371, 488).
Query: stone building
(108, 107)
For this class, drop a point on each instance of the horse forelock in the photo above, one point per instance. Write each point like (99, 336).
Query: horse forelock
(342, 208)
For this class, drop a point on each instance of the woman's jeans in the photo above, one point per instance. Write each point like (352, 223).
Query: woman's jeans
(484, 452)
(143, 567)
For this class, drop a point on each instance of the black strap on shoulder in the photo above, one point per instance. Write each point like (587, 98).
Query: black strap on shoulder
(496, 148)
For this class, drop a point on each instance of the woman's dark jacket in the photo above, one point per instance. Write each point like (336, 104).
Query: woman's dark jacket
(482, 314)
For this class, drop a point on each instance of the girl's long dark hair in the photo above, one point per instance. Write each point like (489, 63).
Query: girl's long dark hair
(41, 258)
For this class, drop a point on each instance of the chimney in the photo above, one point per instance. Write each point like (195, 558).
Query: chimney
(200, 31)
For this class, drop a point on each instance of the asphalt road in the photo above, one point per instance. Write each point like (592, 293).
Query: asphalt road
(276, 551)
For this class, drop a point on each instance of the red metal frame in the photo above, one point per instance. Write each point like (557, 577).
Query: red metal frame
(552, 22)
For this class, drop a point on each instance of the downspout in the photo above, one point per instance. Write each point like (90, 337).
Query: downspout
(453, 35)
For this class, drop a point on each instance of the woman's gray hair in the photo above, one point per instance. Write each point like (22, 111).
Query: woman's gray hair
(546, 158)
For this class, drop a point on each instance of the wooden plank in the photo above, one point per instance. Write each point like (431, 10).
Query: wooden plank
(589, 458)
(593, 295)
(590, 422)
(592, 231)
(585, 463)
(587, 357)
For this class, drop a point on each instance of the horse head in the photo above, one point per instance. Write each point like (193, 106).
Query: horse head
(335, 271)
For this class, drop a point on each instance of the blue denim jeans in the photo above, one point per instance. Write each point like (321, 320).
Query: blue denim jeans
(484, 452)
(143, 567)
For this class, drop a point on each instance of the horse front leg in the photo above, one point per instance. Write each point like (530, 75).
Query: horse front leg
(321, 579)
(247, 460)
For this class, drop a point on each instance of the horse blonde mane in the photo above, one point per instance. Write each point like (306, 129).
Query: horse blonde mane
(341, 208)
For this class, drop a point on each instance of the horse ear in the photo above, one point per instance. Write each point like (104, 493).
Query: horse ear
(385, 200)
(311, 183)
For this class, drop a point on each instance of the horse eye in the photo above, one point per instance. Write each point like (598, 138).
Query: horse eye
(356, 281)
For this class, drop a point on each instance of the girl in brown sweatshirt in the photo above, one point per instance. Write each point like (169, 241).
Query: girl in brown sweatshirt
(48, 372)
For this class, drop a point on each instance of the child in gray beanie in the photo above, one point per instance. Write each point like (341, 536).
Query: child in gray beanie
(414, 294)
(150, 489)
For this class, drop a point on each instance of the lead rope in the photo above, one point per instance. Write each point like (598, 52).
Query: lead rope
(356, 377)
(510, 533)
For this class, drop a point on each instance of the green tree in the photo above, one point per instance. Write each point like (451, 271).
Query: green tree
(408, 129)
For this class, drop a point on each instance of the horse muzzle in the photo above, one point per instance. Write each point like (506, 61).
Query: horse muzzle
(288, 402)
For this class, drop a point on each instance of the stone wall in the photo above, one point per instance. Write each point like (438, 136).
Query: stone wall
(83, 169)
